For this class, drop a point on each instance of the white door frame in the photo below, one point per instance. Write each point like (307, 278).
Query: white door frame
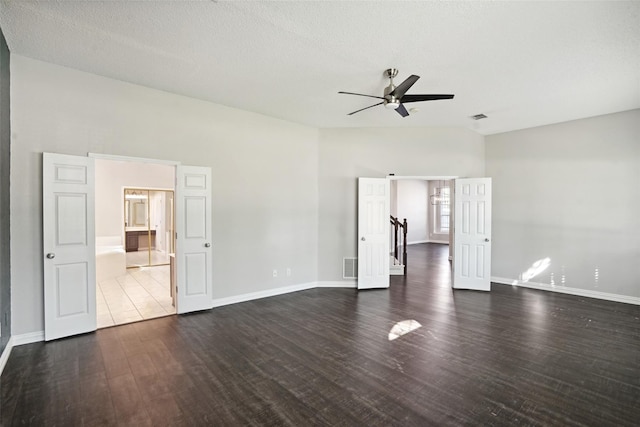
(117, 158)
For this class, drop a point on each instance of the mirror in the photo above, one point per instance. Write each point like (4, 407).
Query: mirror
(148, 226)
(135, 209)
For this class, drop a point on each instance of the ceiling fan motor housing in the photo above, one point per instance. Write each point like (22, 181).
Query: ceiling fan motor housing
(390, 101)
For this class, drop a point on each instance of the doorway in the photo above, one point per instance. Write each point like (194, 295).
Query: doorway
(70, 232)
(135, 212)
(470, 236)
(425, 205)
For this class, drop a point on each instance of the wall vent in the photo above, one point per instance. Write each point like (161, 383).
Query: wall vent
(479, 116)
(349, 268)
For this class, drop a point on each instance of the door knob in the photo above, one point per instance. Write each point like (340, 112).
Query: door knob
(51, 255)
(363, 239)
(207, 245)
(486, 239)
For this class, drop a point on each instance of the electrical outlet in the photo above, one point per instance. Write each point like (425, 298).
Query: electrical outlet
(288, 272)
(275, 273)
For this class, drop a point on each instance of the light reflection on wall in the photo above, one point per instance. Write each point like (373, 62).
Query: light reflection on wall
(536, 268)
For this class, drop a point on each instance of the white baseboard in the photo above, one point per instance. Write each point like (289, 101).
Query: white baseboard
(5, 354)
(417, 242)
(28, 338)
(219, 302)
(440, 242)
(567, 290)
(338, 284)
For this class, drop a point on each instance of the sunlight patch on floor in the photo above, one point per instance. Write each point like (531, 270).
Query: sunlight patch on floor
(402, 328)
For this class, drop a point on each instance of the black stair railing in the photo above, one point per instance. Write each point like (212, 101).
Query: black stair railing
(399, 241)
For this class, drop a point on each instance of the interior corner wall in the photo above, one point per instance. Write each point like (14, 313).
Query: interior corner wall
(5, 166)
(264, 174)
(346, 154)
(569, 192)
(413, 201)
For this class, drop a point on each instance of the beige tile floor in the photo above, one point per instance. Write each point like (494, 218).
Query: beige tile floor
(141, 258)
(143, 293)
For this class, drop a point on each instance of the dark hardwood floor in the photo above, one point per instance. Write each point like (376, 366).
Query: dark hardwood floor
(323, 357)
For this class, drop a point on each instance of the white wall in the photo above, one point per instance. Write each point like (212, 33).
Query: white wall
(569, 192)
(265, 187)
(413, 198)
(111, 177)
(346, 154)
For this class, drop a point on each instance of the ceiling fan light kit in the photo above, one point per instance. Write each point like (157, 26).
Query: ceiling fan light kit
(395, 96)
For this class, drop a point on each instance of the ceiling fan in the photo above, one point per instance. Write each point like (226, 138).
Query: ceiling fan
(394, 96)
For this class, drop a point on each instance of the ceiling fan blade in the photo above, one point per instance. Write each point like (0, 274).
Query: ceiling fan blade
(357, 111)
(402, 111)
(403, 87)
(418, 98)
(360, 94)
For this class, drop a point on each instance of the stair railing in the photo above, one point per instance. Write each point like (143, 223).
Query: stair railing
(399, 241)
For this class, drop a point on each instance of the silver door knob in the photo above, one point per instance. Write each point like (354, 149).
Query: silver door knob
(51, 255)
(363, 239)
(486, 239)
(207, 245)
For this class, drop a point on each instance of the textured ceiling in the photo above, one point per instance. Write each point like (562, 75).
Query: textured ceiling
(523, 64)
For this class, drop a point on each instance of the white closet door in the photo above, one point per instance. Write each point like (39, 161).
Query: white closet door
(472, 234)
(194, 261)
(69, 245)
(373, 233)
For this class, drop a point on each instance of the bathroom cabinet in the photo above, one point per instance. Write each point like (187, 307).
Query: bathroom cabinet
(139, 239)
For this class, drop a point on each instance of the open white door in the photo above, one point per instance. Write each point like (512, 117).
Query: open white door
(194, 261)
(373, 233)
(472, 234)
(68, 212)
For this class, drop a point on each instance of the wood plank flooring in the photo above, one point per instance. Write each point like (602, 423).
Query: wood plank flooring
(323, 357)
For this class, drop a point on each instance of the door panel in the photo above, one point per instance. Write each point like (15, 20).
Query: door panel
(193, 244)
(69, 245)
(373, 233)
(472, 234)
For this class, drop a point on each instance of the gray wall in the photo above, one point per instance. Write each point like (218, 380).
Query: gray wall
(265, 190)
(569, 192)
(346, 154)
(5, 149)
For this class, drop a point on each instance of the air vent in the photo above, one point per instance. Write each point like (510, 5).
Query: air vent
(479, 117)
(349, 268)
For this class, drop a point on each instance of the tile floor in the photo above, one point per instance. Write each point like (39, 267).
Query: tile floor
(143, 293)
(141, 258)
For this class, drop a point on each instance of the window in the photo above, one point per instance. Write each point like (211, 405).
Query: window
(442, 210)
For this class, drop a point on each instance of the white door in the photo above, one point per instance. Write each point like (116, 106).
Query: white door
(194, 261)
(69, 245)
(373, 233)
(472, 234)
